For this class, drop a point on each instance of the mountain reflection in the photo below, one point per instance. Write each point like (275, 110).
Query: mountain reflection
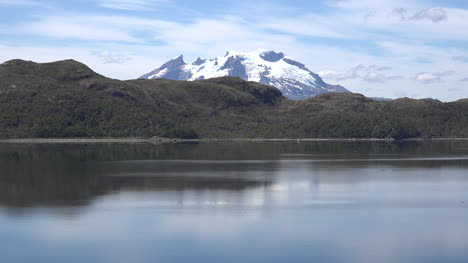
(70, 183)
(78, 175)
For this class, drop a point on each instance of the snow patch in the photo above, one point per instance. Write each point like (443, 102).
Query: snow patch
(158, 75)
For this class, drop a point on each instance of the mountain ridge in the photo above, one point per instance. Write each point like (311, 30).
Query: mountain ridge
(271, 68)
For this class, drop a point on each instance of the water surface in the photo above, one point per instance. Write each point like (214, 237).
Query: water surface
(235, 202)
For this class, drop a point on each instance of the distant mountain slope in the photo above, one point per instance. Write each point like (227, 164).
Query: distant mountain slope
(67, 99)
(292, 78)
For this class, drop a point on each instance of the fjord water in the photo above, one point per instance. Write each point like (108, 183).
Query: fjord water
(235, 202)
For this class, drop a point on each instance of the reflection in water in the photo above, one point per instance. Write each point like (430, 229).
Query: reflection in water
(235, 202)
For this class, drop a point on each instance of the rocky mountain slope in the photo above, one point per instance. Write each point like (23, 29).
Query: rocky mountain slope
(292, 78)
(67, 99)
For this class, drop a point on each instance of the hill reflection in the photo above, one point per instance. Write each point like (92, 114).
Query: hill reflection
(78, 175)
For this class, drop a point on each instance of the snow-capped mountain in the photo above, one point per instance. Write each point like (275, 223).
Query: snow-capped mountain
(292, 78)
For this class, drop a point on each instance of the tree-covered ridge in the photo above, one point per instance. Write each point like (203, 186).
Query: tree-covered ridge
(67, 99)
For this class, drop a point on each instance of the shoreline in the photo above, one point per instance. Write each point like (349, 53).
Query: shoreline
(168, 140)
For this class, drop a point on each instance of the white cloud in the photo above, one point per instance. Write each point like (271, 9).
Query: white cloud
(428, 78)
(435, 14)
(133, 5)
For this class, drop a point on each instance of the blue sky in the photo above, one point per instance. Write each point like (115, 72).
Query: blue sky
(412, 48)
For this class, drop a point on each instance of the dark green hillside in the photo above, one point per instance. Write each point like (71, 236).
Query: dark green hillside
(67, 99)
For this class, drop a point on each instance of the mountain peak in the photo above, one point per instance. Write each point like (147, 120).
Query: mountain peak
(257, 52)
(64, 70)
(272, 56)
(16, 61)
(170, 70)
(268, 67)
(178, 60)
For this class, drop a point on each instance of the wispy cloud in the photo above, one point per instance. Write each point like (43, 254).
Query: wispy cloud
(133, 5)
(306, 25)
(371, 73)
(365, 4)
(460, 58)
(219, 33)
(77, 27)
(25, 3)
(434, 14)
(109, 57)
(17, 2)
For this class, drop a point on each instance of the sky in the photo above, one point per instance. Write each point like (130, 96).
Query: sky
(380, 48)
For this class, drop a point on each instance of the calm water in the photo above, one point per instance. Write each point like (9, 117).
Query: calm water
(235, 202)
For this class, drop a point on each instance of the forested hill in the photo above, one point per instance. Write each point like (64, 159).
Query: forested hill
(67, 99)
